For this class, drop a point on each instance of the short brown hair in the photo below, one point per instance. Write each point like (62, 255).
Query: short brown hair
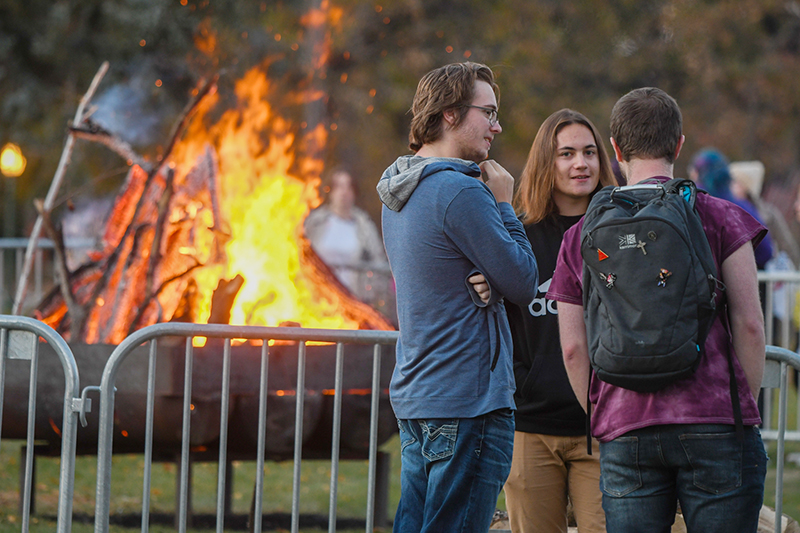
(447, 87)
(534, 196)
(646, 123)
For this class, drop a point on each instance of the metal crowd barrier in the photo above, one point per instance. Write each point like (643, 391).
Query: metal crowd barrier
(19, 340)
(151, 334)
(12, 254)
(776, 376)
(779, 291)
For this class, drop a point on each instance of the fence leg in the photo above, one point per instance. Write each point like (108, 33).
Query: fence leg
(189, 513)
(23, 454)
(383, 470)
(228, 488)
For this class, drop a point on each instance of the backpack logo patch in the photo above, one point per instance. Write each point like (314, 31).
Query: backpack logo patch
(601, 255)
(627, 241)
(662, 277)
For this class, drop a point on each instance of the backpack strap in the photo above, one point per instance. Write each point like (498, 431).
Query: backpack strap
(589, 415)
(737, 408)
(686, 188)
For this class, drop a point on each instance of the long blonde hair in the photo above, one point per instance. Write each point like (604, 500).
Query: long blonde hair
(533, 199)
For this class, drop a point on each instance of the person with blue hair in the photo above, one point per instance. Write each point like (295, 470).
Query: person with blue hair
(709, 169)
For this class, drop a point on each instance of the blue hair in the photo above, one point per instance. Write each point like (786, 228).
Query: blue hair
(712, 172)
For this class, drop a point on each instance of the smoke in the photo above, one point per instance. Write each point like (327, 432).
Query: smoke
(133, 110)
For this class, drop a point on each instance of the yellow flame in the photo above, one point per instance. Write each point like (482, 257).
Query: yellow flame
(12, 162)
(265, 194)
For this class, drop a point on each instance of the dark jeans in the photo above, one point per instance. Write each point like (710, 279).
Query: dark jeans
(452, 472)
(718, 481)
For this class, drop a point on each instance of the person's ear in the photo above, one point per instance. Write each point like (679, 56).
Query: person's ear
(680, 145)
(617, 151)
(450, 116)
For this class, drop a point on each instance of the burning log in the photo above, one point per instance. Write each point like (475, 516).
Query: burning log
(222, 300)
(62, 272)
(121, 286)
(90, 131)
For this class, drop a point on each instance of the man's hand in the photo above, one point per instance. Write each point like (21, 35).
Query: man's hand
(500, 182)
(481, 286)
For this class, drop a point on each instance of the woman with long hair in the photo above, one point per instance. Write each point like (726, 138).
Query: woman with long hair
(551, 466)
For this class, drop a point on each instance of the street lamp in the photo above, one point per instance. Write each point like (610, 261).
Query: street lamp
(12, 165)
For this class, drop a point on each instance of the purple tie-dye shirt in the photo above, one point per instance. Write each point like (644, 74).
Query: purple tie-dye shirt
(703, 398)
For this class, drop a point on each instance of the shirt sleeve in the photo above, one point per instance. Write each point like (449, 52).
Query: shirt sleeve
(567, 284)
(494, 240)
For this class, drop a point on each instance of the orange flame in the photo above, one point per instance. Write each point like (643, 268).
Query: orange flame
(264, 202)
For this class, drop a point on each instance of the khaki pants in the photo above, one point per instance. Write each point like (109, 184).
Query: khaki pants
(546, 471)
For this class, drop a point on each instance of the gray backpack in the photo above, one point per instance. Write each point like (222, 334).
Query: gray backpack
(649, 284)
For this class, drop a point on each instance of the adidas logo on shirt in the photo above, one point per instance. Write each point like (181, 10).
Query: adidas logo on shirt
(542, 306)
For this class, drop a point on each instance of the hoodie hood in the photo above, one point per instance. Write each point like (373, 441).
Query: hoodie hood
(401, 179)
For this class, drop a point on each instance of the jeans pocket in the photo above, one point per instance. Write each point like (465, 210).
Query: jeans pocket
(619, 466)
(439, 438)
(406, 437)
(716, 460)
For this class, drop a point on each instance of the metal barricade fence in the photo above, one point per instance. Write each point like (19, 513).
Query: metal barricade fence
(19, 340)
(776, 376)
(12, 254)
(153, 333)
(779, 292)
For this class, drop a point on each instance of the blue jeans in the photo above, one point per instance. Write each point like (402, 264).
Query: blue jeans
(718, 481)
(452, 472)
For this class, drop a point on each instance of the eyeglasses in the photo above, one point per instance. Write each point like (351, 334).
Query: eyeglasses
(491, 114)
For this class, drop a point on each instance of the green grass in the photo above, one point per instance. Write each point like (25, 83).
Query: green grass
(127, 482)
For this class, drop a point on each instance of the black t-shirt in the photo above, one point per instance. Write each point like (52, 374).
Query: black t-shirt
(545, 401)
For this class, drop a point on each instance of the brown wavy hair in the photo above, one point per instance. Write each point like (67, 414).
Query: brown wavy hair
(448, 87)
(533, 199)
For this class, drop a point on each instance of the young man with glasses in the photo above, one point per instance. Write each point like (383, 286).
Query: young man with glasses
(447, 215)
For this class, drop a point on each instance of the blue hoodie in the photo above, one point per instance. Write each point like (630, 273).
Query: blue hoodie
(441, 224)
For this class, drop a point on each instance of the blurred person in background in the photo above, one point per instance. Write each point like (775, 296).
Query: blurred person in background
(347, 240)
(709, 169)
(747, 183)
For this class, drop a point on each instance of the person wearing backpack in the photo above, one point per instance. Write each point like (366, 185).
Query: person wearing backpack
(675, 441)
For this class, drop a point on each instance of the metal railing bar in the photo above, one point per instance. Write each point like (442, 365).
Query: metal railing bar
(148, 442)
(781, 448)
(262, 430)
(185, 434)
(30, 437)
(373, 436)
(223, 435)
(3, 356)
(337, 433)
(298, 434)
(769, 303)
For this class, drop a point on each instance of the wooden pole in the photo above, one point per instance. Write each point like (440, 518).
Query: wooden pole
(49, 200)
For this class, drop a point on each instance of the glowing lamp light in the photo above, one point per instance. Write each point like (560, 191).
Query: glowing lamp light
(12, 162)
